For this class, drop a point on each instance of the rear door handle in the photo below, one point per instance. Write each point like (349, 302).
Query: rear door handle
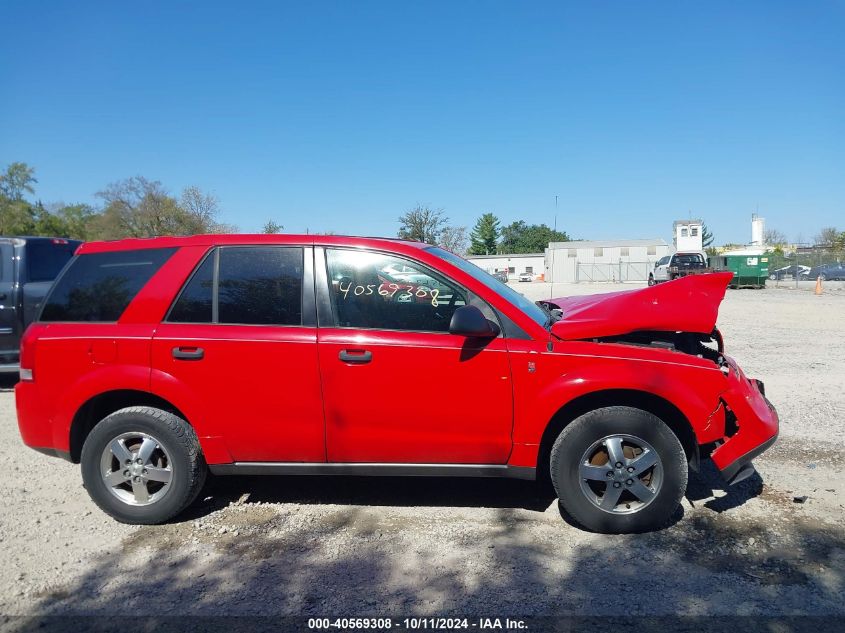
(188, 353)
(355, 356)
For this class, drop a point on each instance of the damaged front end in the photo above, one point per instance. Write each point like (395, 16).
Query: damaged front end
(680, 317)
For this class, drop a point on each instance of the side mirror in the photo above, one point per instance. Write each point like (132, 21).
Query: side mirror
(469, 321)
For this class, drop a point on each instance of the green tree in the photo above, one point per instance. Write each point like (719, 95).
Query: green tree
(18, 179)
(271, 227)
(422, 224)
(519, 237)
(485, 235)
(17, 216)
(706, 237)
(137, 207)
(78, 220)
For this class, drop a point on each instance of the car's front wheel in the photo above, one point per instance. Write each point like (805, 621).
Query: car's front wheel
(142, 465)
(651, 281)
(619, 470)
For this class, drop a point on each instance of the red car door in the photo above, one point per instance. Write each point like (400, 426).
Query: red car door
(241, 341)
(397, 387)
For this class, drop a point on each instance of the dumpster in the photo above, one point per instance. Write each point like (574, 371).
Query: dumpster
(750, 267)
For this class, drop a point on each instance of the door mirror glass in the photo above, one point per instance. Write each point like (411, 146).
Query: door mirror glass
(469, 321)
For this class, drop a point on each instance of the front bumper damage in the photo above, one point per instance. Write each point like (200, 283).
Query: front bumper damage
(753, 429)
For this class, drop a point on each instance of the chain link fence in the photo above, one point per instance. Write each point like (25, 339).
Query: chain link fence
(805, 266)
(619, 272)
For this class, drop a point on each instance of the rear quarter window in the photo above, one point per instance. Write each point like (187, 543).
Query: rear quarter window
(99, 286)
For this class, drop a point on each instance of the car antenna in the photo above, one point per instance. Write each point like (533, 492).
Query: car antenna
(549, 345)
(552, 269)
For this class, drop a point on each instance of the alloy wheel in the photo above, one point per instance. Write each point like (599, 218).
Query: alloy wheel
(620, 474)
(136, 468)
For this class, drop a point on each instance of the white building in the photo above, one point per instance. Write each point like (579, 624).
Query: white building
(758, 230)
(687, 235)
(513, 265)
(607, 260)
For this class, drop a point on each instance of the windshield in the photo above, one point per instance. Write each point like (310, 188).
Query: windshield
(512, 296)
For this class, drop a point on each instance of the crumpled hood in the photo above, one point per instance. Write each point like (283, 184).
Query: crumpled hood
(688, 304)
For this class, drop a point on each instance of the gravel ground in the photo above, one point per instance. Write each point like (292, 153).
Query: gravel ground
(358, 546)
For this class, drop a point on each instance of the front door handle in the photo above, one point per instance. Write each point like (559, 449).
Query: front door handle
(355, 356)
(188, 353)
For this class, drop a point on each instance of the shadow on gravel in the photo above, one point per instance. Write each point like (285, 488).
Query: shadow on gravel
(375, 491)
(707, 482)
(357, 561)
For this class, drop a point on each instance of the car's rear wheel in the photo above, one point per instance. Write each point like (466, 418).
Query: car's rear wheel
(619, 470)
(142, 465)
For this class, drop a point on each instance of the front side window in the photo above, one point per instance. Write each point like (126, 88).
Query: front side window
(379, 291)
(99, 286)
(254, 286)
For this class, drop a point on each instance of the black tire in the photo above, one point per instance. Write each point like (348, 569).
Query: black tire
(176, 440)
(584, 432)
(651, 281)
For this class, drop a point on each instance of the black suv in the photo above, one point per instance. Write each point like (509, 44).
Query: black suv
(28, 267)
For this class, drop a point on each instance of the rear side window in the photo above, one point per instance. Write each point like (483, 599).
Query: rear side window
(254, 285)
(99, 286)
(45, 259)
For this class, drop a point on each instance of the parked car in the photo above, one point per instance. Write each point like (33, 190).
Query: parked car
(795, 271)
(28, 267)
(526, 277)
(155, 361)
(501, 275)
(677, 265)
(826, 271)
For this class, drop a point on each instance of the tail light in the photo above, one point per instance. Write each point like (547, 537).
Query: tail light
(28, 341)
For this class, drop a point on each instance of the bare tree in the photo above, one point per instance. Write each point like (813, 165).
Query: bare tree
(827, 236)
(203, 206)
(455, 239)
(422, 224)
(773, 237)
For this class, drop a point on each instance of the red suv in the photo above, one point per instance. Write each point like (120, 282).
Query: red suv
(154, 361)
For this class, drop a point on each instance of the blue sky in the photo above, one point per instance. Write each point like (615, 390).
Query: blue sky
(340, 115)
